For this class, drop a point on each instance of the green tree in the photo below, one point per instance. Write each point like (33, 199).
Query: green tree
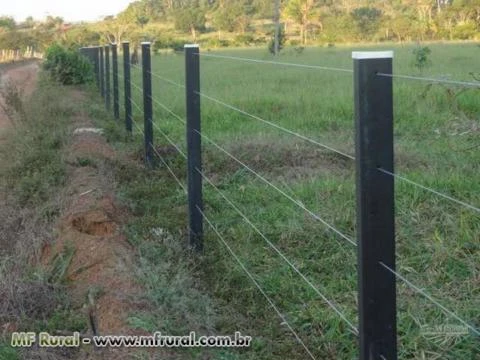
(233, 16)
(367, 20)
(7, 23)
(190, 19)
(301, 12)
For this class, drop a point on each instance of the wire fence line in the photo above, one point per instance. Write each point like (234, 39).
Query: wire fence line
(248, 221)
(327, 147)
(448, 197)
(459, 202)
(299, 203)
(231, 107)
(170, 170)
(295, 201)
(280, 253)
(170, 141)
(164, 107)
(384, 264)
(429, 297)
(304, 66)
(161, 157)
(255, 228)
(252, 278)
(432, 80)
(167, 80)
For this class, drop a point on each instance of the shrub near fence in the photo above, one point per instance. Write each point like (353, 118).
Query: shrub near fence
(374, 158)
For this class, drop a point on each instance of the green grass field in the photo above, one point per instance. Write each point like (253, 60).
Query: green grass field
(437, 133)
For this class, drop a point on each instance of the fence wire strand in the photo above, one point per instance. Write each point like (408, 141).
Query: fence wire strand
(255, 282)
(432, 80)
(164, 107)
(167, 80)
(296, 202)
(292, 266)
(136, 105)
(231, 107)
(420, 291)
(170, 170)
(135, 86)
(170, 141)
(305, 66)
(471, 207)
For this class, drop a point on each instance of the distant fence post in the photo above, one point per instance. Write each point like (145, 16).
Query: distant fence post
(375, 205)
(116, 105)
(107, 78)
(194, 147)
(96, 54)
(127, 86)
(102, 72)
(147, 102)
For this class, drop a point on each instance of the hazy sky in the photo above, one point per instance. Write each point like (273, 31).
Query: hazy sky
(68, 9)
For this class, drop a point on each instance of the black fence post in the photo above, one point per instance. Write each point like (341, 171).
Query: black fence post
(107, 78)
(127, 86)
(194, 146)
(147, 102)
(102, 72)
(96, 56)
(116, 104)
(375, 205)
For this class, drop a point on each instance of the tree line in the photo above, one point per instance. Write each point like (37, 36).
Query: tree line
(240, 22)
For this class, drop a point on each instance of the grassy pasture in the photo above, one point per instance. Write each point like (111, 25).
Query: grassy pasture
(438, 242)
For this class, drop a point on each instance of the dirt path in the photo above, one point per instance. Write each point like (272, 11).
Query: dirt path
(23, 77)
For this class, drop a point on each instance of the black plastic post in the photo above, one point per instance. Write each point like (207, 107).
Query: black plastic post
(194, 146)
(375, 205)
(127, 86)
(97, 65)
(108, 93)
(116, 104)
(147, 102)
(102, 72)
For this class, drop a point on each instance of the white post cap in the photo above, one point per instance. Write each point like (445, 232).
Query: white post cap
(372, 55)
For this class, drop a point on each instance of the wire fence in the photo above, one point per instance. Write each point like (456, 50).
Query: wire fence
(375, 238)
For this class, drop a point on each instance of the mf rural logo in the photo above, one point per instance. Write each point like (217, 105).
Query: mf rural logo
(44, 339)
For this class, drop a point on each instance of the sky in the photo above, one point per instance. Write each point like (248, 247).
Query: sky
(87, 10)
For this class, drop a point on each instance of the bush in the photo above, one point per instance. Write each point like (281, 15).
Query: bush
(169, 43)
(421, 57)
(67, 66)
